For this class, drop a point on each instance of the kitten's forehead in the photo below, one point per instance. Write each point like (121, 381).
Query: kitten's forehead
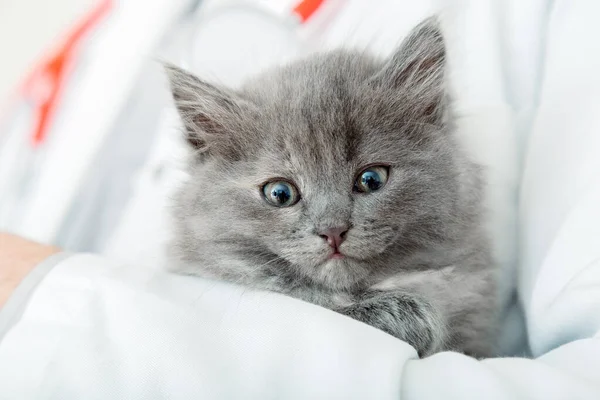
(318, 75)
(310, 112)
(322, 120)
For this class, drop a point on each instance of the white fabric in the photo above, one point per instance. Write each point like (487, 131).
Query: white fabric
(560, 190)
(95, 329)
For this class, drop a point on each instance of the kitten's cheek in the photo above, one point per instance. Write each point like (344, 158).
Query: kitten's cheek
(373, 245)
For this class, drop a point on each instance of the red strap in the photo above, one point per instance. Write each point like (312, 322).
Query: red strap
(43, 87)
(305, 9)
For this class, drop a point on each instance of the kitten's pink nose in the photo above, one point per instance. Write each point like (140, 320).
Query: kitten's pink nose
(334, 236)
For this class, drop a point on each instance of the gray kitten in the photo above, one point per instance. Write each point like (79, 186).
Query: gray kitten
(338, 180)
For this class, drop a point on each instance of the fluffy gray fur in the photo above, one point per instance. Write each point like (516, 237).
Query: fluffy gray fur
(417, 260)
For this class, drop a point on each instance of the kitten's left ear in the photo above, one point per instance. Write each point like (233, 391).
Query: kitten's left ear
(212, 115)
(417, 69)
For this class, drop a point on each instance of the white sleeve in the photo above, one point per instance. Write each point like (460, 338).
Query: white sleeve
(129, 333)
(93, 327)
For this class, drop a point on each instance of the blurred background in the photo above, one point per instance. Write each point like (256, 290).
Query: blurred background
(36, 32)
(89, 141)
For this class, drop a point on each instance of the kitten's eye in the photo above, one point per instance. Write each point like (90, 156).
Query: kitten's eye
(371, 179)
(281, 193)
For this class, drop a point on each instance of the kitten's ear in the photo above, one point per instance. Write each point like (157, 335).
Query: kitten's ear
(209, 113)
(417, 68)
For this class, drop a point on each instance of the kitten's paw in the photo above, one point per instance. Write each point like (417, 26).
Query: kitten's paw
(401, 315)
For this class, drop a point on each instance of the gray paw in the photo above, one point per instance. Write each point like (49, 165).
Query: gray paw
(403, 316)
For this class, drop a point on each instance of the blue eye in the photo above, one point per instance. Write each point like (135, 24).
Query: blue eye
(371, 179)
(280, 193)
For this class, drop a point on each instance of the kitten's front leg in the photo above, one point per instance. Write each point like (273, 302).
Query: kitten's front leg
(401, 315)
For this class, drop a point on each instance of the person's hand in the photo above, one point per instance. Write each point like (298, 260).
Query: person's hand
(18, 256)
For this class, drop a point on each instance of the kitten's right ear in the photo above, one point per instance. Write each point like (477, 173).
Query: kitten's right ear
(209, 113)
(417, 69)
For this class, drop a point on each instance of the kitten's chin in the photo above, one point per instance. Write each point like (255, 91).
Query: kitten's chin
(339, 273)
